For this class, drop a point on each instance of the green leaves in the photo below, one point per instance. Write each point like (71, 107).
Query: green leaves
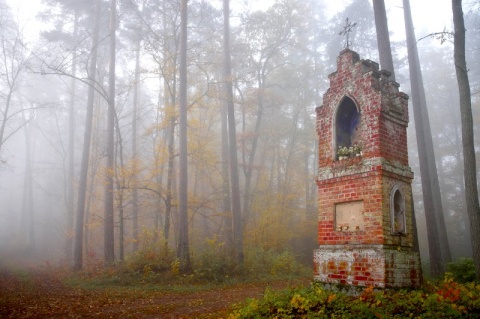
(446, 299)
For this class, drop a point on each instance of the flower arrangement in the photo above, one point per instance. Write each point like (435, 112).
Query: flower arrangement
(344, 151)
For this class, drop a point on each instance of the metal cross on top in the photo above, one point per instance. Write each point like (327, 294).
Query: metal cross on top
(346, 32)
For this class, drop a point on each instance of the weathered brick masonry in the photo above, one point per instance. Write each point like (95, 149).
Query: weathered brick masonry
(365, 229)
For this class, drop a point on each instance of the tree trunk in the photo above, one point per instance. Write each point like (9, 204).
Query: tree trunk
(292, 147)
(28, 216)
(134, 148)
(169, 94)
(71, 151)
(248, 198)
(233, 160)
(383, 38)
(91, 195)
(470, 170)
(226, 198)
(170, 170)
(121, 186)
(183, 252)
(12, 67)
(109, 243)
(439, 250)
(82, 187)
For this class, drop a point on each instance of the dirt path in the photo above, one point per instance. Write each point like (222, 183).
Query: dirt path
(41, 295)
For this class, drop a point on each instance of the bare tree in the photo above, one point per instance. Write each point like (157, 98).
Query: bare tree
(470, 170)
(82, 187)
(14, 59)
(266, 42)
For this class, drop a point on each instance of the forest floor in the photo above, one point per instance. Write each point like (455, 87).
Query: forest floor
(43, 293)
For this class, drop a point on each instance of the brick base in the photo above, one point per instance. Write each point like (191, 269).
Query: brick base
(367, 265)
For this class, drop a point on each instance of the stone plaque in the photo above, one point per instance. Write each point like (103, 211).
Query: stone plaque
(349, 216)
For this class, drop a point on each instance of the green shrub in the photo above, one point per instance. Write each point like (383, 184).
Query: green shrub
(462, 270)
(284, 263)
(151, 258)
(265, 264)
(213, 263)
(446, 299)
(154, 262)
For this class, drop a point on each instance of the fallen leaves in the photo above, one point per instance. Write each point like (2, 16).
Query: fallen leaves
(42, 294)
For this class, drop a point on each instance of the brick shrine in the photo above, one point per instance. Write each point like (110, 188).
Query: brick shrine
(365, 221)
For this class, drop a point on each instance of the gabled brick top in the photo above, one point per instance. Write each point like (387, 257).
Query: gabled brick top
(383, 111)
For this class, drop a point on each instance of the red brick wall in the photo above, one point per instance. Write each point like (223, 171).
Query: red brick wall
(383, 130)
(371, 255)
(366, 187)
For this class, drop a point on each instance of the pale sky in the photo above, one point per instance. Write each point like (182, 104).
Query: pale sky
(428, 15)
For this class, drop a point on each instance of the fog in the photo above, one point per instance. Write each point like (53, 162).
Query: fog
(281, 58)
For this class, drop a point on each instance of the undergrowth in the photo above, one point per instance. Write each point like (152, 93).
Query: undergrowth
(154, 264)
(462, 270)
(443, 299)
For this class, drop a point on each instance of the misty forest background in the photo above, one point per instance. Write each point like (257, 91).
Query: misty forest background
(280, 61)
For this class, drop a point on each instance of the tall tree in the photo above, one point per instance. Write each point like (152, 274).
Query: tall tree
(134, 144)
(183, 250)
(439, 250)
(226, 196)
(383, 37)
(109, 243)
(468, 143)
(82, 186)
(163, 47)
(135, 23)
(71, 148)
(68, 14)
(120, 179)
(267, 35)
(28, 216)
(170, 50)
(232, 140)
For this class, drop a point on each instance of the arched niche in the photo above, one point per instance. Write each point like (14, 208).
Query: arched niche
(397, 208)
(347, 126)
